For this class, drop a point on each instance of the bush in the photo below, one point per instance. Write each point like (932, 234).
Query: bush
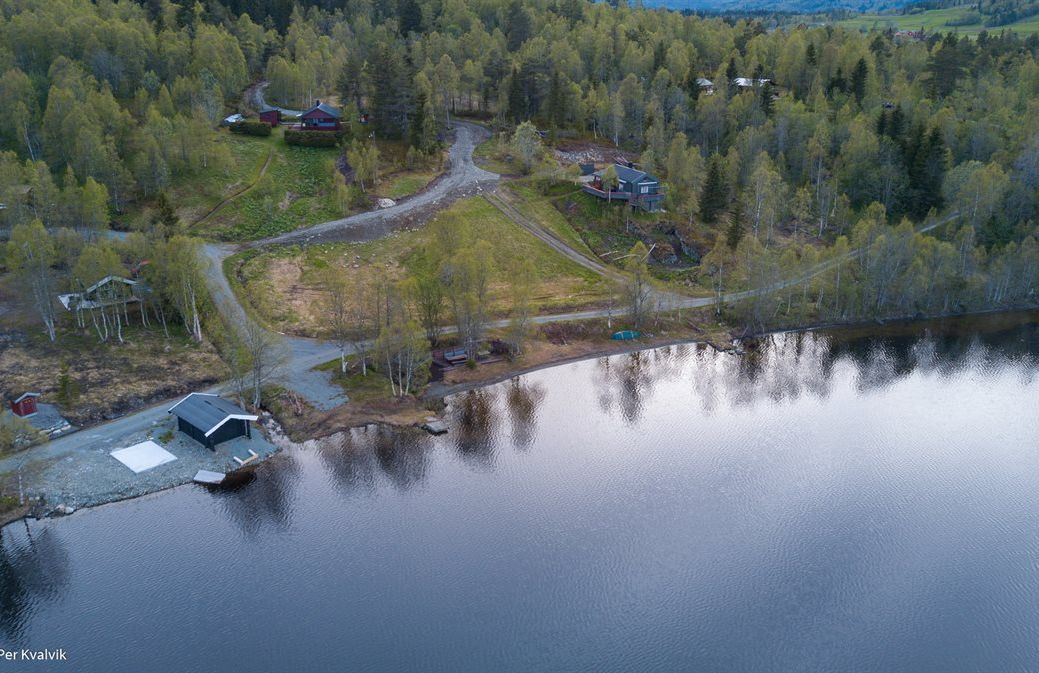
(251, 127)
(313, 138)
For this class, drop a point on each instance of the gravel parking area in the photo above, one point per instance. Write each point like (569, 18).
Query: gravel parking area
(91, 476)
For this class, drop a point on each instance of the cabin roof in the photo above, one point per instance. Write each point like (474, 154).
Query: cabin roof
(323, 107)
(208, 412)
(632, 175)
(109, 279)
(24, 395)
(87, 298)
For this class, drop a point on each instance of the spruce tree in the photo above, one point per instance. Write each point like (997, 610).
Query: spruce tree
(556, 103)
(715, 194)
(734, 232)
(164, 221)
(767, 105)
(858, 80)
(410, 17)
(517, 101)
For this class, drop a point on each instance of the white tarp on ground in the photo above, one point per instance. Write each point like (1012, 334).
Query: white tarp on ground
(143, 456)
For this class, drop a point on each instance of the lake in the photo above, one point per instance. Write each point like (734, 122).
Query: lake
(840, 502)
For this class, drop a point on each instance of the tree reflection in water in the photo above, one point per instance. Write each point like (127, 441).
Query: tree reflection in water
(475, 425)
(522, 399)
(354, 458)
(263, 495)
(349, 460)
(626, 381)
(403, 454)
(34, 567)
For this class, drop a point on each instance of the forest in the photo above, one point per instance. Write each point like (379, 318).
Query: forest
(846, 148)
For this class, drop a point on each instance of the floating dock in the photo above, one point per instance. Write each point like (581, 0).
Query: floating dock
(435, 427)
(210, 478)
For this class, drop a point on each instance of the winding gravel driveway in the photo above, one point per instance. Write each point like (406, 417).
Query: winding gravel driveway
(463, 178)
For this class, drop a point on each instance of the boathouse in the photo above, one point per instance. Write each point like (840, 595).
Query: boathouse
(210, 419)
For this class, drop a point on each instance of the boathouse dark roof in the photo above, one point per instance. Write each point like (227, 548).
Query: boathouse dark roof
(208, 412)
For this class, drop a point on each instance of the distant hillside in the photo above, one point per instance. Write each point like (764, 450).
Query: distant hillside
(778, 6)
(962, 19)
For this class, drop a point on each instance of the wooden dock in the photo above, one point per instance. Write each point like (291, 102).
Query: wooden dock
(209, 478)
(434, 426)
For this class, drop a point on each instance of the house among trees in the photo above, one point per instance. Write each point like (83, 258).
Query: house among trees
(706, 86)
(749, 83)
(270, 115)
(210, 419)
(108, 291)
(911, 35)
(321, 117)
(639, 188)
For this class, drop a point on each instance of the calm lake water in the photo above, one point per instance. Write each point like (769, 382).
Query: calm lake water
(823, 503)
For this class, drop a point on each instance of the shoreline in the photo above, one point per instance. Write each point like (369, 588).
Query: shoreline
(438, 392)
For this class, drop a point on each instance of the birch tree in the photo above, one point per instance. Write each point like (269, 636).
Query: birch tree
(183, 284)
(266, 356)
(404, 352)
(30, 254)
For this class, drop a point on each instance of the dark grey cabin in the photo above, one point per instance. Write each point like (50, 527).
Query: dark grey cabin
(210, 419)
(638, 187)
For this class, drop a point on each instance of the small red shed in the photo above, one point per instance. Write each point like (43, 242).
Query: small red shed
(25, 405)
(270, 116)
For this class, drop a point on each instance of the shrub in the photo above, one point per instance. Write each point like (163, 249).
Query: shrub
(15, 433)
(68, 389)
(251, 127)
(313, 138)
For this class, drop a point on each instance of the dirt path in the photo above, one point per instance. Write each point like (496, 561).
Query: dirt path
(240, 192)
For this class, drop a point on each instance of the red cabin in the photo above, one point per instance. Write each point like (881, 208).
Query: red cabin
(25, 405)
(270, 115)
(321, 117)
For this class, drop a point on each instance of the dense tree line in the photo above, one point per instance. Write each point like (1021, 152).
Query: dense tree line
(111, 101)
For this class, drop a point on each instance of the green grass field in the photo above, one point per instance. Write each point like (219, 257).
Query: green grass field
(296, 190)
(540, 209)
(267, 188)
(285, 286)
(934, 21)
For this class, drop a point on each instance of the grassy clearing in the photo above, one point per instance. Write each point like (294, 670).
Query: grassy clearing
(601, 224)
(936, 20)
(397, 180)
(399, 185)
(486, 156)
(298, 189)
(489, 155)
(285, 286)
(109, 378)
(361, 389)
(529, 201)
(195, 196)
